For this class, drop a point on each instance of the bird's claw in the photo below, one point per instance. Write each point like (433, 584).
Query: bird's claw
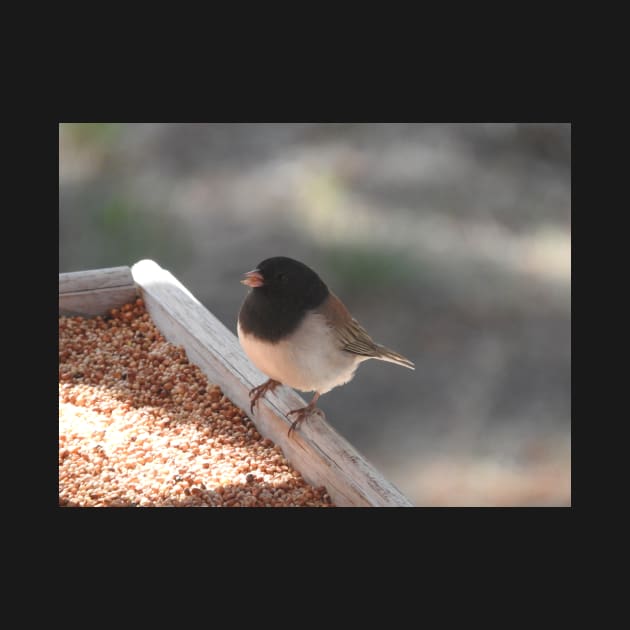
(302, 414)
(256, 392)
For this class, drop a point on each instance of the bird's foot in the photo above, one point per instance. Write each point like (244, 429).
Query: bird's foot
(261, 390)
(303, 413)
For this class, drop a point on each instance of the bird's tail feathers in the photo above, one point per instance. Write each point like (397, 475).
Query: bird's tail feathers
(385, 354)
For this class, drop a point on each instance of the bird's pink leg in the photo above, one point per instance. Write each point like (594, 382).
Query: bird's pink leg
(303, 413)
(261, 390)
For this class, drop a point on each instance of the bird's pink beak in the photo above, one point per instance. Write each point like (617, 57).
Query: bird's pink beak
(253, 278)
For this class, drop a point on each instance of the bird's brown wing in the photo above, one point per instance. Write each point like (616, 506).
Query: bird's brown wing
(353, 337)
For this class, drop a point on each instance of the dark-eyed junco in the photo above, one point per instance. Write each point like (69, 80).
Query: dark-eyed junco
(300, 334)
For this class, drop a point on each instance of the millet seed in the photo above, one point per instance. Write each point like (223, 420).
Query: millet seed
(139, 425)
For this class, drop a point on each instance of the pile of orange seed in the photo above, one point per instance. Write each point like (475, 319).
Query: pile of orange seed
(141, 426)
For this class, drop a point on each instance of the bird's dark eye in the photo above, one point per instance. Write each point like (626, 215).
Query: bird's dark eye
(281, 277)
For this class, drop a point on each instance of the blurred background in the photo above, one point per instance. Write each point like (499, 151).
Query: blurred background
(450, 243)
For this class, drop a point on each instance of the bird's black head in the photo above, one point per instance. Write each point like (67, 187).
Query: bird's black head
(283, 290)
(287, 279)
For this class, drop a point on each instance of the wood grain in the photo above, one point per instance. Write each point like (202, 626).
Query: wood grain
(316, 449)
(96, 291)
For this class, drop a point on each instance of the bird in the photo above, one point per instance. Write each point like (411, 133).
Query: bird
(296, 331)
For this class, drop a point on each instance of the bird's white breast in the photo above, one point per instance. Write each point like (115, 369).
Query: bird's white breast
(310, 359)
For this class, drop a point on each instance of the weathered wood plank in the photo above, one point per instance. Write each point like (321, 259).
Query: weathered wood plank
(96, 291)
(316, 450)
(92, 279)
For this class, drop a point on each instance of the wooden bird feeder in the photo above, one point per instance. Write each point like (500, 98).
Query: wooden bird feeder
(322, 456)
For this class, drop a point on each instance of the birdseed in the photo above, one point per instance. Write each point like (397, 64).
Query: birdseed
(139, 425)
